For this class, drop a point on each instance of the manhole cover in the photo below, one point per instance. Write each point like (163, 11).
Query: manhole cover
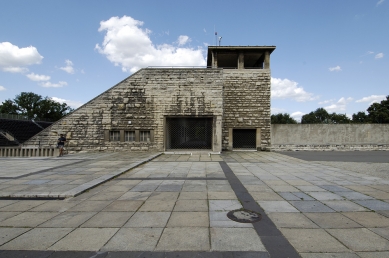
(244, 216)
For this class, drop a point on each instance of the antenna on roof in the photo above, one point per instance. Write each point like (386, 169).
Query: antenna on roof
(215, 35)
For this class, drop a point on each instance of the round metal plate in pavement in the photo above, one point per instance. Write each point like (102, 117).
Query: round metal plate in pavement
(244, 216)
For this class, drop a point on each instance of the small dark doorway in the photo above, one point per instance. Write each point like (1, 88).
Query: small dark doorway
(189, 133)
(244, 139)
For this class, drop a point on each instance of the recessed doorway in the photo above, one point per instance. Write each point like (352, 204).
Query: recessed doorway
(189, 133)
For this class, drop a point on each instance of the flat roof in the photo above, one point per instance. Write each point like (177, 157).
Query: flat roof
(227, 50)
(233, 48)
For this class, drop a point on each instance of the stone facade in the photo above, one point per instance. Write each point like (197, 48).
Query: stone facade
(140, 102)
(133, 115)
(247, 104)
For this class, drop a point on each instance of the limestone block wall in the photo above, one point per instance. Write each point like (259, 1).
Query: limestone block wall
(330, 137)
(140, 102)
(247, 102)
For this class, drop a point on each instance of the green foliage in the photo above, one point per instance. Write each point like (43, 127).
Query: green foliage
(379, 112)
(9, 107)
(35, 106)
(321, 116)
(339, 119)
(282, 119)
(360, 118)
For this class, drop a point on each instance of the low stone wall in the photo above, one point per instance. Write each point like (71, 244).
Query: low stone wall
(328, 137)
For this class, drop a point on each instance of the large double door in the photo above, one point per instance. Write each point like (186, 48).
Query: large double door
(189, 133)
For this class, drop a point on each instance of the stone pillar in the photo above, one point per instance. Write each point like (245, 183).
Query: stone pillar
(258, 139)
(106, 135)
(214, 59)
(267, 60)
(217, 132)
(230, 138)
(122, 135)
(241, 60)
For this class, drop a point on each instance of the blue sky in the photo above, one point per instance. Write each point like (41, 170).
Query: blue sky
(331, 54)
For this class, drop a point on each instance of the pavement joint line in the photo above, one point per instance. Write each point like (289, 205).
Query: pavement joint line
(194, 161)
(37, 198)
(42, 171)
(81, 188)
(161, 254)
(172, 178)
(273, 240)
(87, 186)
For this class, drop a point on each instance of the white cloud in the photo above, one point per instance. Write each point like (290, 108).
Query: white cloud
(12, 69)
(127, 45)
(2, 88)
(380, 2)
(69, 67)
(277, 110)
(379, 55)
(13, 58)
(37, 77)
(339, 106)
(71, 103)
(287, 89)
(336, 69)
(372, 99)
(297, 115)
(326, 101)
(183, 39)
(53, 85)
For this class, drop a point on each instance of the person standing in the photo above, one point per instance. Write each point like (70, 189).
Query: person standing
(61, 144)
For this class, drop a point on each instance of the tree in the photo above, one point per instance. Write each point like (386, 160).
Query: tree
(9, 107)
(282, 119)
(360, 118)
(379, 112)
(319, 116)
(33, 105)
(339, 119)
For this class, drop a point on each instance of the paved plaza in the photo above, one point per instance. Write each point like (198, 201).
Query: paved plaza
(160, 205)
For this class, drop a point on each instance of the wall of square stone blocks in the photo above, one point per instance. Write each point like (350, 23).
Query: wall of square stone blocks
(247, 102)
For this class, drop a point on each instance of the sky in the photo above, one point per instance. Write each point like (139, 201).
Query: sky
(330, 54)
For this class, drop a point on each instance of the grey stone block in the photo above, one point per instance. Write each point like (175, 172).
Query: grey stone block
(311, 206)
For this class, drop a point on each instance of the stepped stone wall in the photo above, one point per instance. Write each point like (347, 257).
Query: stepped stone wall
(140, 102)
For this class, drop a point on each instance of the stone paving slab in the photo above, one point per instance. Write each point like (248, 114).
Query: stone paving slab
(360, 239)
(184, 239)
(86, 178)
(313, 240)
(80, 239)
(37, 239)
(177, 205)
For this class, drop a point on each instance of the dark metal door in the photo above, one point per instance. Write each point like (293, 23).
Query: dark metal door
(244, 138)
(189, 133)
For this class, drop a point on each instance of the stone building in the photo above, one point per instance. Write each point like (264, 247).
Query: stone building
(224, 106)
